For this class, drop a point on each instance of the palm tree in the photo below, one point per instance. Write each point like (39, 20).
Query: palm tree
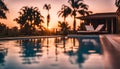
(3, 29)
(29, 19)
(3, 10)
(47, 7)
(77, 7)
(64, 27)
(64, 12)
(117, 3)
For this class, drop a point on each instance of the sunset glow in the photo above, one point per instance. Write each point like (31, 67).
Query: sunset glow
(97, 6)
(49, 28)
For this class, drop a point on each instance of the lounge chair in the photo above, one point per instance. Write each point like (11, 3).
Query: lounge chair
(90, 30)
(99, 27)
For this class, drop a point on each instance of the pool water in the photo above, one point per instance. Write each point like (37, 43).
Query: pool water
(82, 52)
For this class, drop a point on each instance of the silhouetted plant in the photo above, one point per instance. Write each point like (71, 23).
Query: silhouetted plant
(30, 50)
(3, 29)
(64, 27)
(47, 7)
(29, 19)
(117, 3)
(3, 10)
(82, 27)
(77, 7)
(64, 12)
(14, 31)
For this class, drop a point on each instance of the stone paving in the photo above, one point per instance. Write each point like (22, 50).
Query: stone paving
(111, 50)
(114, 38)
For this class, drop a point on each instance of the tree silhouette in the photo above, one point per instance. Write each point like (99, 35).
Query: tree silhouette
(47, 7)
(3, 29)
(3, 10)
(30, 51)
(117, 3)
(64, 12)
(64, 27)
(82, 26)
(77, 7)
(29, 19)
(14, 31)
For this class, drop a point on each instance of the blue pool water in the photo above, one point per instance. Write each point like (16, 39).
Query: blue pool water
(82, 52)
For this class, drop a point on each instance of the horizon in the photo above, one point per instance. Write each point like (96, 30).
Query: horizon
(14, 7)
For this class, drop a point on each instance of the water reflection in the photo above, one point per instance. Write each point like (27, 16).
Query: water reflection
(33, 49)
(60, 44)
(3, 53)
(61, 41)
(87, 46)
(49, 53)
(30, 50)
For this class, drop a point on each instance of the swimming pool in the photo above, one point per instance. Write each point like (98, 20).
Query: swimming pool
(83, 52)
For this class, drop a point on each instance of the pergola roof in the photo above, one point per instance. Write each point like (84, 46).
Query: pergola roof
(118, 11)
(99, 16)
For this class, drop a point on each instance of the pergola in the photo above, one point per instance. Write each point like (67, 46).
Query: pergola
(108, 19)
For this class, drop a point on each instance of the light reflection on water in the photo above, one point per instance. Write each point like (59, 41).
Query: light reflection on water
(52, 53)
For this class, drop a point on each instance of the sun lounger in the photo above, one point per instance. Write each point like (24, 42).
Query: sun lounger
(89, 27)
(90, 30)
(99, 27)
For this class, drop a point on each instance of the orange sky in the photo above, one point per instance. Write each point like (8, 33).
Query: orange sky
(97, 6)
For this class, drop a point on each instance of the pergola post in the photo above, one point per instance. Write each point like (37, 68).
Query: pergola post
(106, 28)
(118, 19)
(112, 26)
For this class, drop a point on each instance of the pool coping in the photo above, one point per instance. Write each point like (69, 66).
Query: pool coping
(28, 37)
(110, 39)
(111, 51)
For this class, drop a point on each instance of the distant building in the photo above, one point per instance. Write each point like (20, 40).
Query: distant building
(108, 19)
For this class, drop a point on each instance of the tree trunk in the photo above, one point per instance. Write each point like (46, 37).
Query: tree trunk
(74, 24)
(65, 19)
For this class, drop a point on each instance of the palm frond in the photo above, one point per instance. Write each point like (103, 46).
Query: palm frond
(2, 14)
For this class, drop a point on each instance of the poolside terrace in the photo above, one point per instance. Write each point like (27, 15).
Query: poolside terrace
(111, 50)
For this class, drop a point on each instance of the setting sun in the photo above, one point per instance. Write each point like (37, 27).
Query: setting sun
(15, 5)
(49, 28)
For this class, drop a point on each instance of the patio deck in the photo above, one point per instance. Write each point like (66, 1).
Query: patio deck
(111, 51)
